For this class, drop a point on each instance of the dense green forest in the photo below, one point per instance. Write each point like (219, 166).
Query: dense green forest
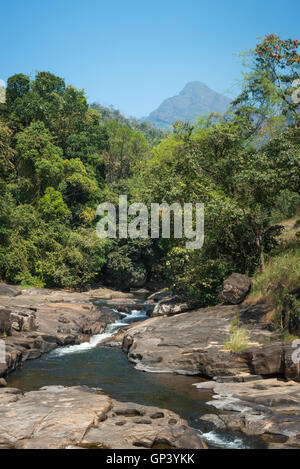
(61, 157)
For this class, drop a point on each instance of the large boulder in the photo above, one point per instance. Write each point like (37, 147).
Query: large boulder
(235, 289)
(273, 360)
(3, 383)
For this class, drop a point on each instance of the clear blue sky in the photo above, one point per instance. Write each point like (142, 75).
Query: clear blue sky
(133, 54)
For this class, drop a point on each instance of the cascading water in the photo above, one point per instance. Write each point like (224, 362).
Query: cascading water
(94, 365)
(110, 331)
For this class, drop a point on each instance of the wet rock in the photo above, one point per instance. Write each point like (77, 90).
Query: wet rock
(40, 320)
(56, 417)
(235, 289)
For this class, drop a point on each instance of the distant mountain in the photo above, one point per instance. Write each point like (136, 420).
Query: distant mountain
(195, 100)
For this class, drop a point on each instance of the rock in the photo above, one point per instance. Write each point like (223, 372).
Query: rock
(160, 295)
(237, 379)
(5, 322)
(167, 304)
(117, 339)
(169, 309)
(269, 407)
(235, 289)
(40, 320)
(9, 290)
(273, 360)
(193, 343)
(3, 383)
(56, 417)
(24, 319)
(189, 343)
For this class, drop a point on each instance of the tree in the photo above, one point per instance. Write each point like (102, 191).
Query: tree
(17, 86)
(52, 206)
(267, 88)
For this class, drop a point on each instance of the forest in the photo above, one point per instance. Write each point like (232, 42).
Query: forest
(61, 157)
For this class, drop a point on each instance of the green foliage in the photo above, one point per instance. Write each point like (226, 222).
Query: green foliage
(59, 158)
(52, 206)
(129, 263)
(151, 133)
(267, 86)
(285, 205)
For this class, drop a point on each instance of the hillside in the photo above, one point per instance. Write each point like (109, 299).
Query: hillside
(196, 99)
(151, 133)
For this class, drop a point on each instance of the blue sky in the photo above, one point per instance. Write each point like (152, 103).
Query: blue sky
(133, 54)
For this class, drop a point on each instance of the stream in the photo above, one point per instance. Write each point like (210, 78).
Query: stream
(107, 368)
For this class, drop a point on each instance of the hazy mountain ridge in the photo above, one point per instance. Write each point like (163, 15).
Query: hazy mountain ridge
(195, 100)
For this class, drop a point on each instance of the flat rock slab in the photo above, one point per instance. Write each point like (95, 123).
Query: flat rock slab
(268, 407)
(58, 417)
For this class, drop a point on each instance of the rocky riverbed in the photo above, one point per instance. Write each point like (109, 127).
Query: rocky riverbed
(267, 407)
(36, 321)
(255, 391)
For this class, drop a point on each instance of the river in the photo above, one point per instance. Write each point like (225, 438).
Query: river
(107, 368)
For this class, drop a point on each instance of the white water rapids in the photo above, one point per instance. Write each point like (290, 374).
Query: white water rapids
(110, 331)
(212, 438)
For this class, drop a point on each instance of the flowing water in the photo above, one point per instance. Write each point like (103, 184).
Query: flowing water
(108, 368)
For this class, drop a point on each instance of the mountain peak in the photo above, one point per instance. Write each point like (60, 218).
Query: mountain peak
(194, 87)
(195, 100)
